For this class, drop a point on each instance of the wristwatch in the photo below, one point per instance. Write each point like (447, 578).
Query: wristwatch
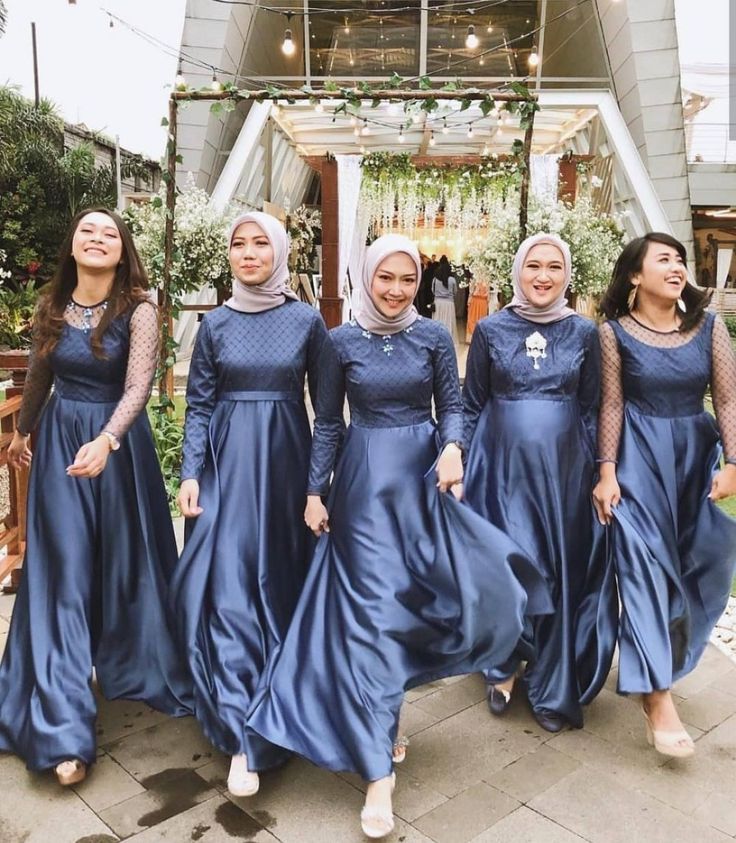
(112, 439)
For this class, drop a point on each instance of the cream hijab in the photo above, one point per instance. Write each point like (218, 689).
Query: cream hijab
(555, 310)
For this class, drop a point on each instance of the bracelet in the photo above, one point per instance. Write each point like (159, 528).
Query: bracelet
(112, 439)
(615, 462)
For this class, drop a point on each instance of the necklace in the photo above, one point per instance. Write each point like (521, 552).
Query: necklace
(87, 312)
(654, 330)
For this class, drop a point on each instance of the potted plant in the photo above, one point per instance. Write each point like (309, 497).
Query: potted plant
(17, 306)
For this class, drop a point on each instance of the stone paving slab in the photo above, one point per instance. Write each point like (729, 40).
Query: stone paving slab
(468, 778)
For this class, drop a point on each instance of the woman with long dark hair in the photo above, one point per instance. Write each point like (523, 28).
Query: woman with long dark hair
(660, 473)
(244, 479)
(444, 286)
(406, 584)
(100, 543)
(531, 403)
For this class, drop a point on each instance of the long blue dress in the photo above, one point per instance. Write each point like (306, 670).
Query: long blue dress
(409, 585)
(98, 558)
(247, 441)
(674, 549)
(531, 399)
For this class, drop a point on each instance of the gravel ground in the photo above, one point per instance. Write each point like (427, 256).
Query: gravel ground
(724, 635)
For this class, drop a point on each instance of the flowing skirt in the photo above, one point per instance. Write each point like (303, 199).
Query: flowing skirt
(445, 312)
(477, 310)
(530, 471)
(244, 562)
(98, 559)
(408, 586)
(674, 549)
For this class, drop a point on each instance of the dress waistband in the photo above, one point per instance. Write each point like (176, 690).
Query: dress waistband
(247, 395)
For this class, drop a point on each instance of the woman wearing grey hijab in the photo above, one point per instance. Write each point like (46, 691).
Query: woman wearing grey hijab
(399, 591)
(244, 478)
(531, 402)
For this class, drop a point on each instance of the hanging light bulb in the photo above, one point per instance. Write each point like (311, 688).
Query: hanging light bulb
(482, 61)
(319, 107)
(471, 39)
(346, 29)
(432, 141)
(366, 128)
(445, 129)
(356, 132)
(470, 130)
(112, 24)
(401, 134)
(180, 83)
(489, 28)
(288, 48)
(215, 85)
(533, 59)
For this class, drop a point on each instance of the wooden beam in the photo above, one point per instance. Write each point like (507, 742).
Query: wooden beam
(330, 303)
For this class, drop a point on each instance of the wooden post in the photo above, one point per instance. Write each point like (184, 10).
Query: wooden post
(166, 381)
(567, 185)
(526, 177)
(330, 303)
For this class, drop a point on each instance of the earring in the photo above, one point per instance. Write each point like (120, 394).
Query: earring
(681, 305)
(632, 297)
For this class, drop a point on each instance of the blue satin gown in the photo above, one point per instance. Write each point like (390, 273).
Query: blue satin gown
(247, 441)
(409, 585)
(674, 549)
(531, 399)
(98, 558)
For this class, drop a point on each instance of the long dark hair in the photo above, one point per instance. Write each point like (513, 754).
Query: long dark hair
(128, 288)
(615, 301)
(443, 270)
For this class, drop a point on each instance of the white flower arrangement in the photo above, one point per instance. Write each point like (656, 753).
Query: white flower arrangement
(4, 273)
(304, 224)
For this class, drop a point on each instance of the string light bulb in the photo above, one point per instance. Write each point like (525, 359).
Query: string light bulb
(401, 134)
(366, 128)
(470, 130)
(288, 47)
(533, 59)
(471, 39)
(356, 132)
(445, 129)
(319, 107)
(180, 83)
(489, 28)
(432, 141)
(215, 84)
(346, 29)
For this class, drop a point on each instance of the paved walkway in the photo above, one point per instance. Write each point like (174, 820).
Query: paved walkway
(467, 777)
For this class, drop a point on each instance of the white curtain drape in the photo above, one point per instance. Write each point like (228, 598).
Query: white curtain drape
(545, 173)
(349, 175)
(724, 264)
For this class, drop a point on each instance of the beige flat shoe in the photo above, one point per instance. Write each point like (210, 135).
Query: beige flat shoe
(240, 780)
(70, 772)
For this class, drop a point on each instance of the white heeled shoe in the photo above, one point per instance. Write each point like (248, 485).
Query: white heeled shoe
(674, 744)
(398, 754)
(240, 780)
(375, 822)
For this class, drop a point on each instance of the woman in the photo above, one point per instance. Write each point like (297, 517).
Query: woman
(531, 399)
(100, 544)
(444, 286)
(393, 596)
(660, 473)
(244, 477)
(477, 306)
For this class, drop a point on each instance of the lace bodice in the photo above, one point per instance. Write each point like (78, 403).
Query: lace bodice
(665, 374)
(125, 375)
(237, 352)
(514, 359)
(389, 382)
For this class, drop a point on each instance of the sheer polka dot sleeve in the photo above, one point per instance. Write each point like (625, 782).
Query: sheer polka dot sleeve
(140, 371)
(35, 392)
(723, 387)
(611, 415)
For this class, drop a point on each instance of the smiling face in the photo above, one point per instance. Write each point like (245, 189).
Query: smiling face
(97, 245)
(542, 278)
(251, 255)
(394, 284)
(663, 273)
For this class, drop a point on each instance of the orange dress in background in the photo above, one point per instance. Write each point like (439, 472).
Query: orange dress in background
(477, 307)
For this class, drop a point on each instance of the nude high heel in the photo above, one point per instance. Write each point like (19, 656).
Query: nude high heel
(70, 772)
(674, 744)
(375, 822)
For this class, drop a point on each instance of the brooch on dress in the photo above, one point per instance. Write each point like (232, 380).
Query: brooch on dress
(536, 346)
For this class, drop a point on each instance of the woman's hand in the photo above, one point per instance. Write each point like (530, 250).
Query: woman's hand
(91, 458)
(450, 469)
(188, 499)
(316, 516)
(724, 483)
(607, 493)
(19, 454)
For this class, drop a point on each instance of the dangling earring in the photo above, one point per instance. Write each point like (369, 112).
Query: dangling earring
(631, 301)
(681, 305)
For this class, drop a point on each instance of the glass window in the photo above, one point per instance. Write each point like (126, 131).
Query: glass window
(572, 41)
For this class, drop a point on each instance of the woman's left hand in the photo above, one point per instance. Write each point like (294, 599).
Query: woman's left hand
(724, 483)
(450, 470)
(91, 458)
